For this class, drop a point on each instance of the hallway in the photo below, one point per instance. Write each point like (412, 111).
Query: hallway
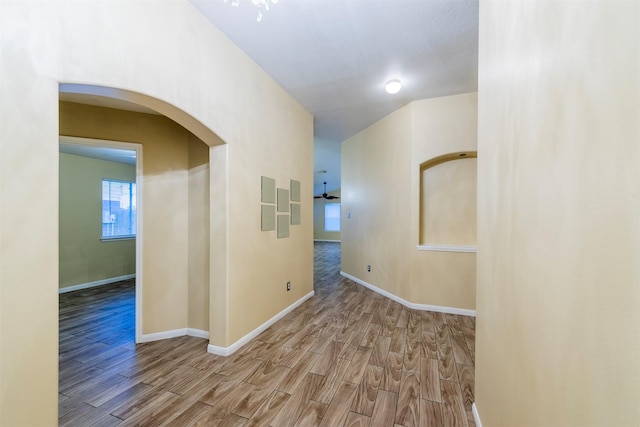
(348, 356)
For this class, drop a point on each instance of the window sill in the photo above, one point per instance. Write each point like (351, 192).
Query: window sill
(115, 239)
(447, 248)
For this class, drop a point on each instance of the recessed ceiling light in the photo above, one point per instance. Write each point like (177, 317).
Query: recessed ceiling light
(393, 86)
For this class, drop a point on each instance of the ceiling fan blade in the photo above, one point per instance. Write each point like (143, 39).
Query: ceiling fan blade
(325, 195)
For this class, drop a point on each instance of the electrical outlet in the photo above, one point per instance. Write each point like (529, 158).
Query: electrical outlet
(288, 286)
(368, 268)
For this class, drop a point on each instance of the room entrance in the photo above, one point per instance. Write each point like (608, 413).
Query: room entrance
(99, 221)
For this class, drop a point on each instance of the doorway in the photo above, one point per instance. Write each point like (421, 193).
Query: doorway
(100, 227)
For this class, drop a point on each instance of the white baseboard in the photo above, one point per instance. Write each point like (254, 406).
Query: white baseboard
(165, 335)
(476, 416)
(198, 333)
(325, 240)
(227, 351)
(96, 283)
(425, 307)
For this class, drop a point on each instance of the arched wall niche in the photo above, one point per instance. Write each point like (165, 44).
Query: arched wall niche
(448, 202)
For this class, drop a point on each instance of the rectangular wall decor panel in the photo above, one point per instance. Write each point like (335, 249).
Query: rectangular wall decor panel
(295, 214)
(283, 226)
(283, 200)
(268, 221)
(268, 190)
(295, 191)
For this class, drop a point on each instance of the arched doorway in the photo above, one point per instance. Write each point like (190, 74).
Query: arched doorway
(174, 235)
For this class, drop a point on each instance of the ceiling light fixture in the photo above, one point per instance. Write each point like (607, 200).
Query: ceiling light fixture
(393, 86)
(258, 3)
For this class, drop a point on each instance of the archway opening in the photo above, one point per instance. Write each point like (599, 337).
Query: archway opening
(173, 283)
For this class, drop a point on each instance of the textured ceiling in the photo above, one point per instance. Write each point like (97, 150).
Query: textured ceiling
(334, 56)
(102, 153)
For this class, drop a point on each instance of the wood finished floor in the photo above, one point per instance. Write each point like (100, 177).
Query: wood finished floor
(347, 357)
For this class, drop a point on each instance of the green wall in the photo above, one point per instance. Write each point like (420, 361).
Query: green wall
(84, 258)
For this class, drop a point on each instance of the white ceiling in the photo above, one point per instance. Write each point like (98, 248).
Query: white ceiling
(334, 57)
(102, 153)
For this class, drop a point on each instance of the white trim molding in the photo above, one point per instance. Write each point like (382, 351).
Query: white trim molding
(447, 248)
(227, 351)
(424, 307)
(95, 284)
(198, 333)
(326, 240)
(165, 335)
(476, 416)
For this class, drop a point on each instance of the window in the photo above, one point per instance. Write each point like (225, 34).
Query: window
(118, 209)
(332, 217)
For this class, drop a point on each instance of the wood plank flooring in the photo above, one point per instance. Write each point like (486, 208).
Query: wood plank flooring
(347, 357)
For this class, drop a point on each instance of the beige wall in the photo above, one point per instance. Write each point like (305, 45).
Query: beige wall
(381, 189)
(558, 214)
(318, 219)
(84, 257)
(260, 264)
(198, 234)
(184, 67)
(376, 194)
